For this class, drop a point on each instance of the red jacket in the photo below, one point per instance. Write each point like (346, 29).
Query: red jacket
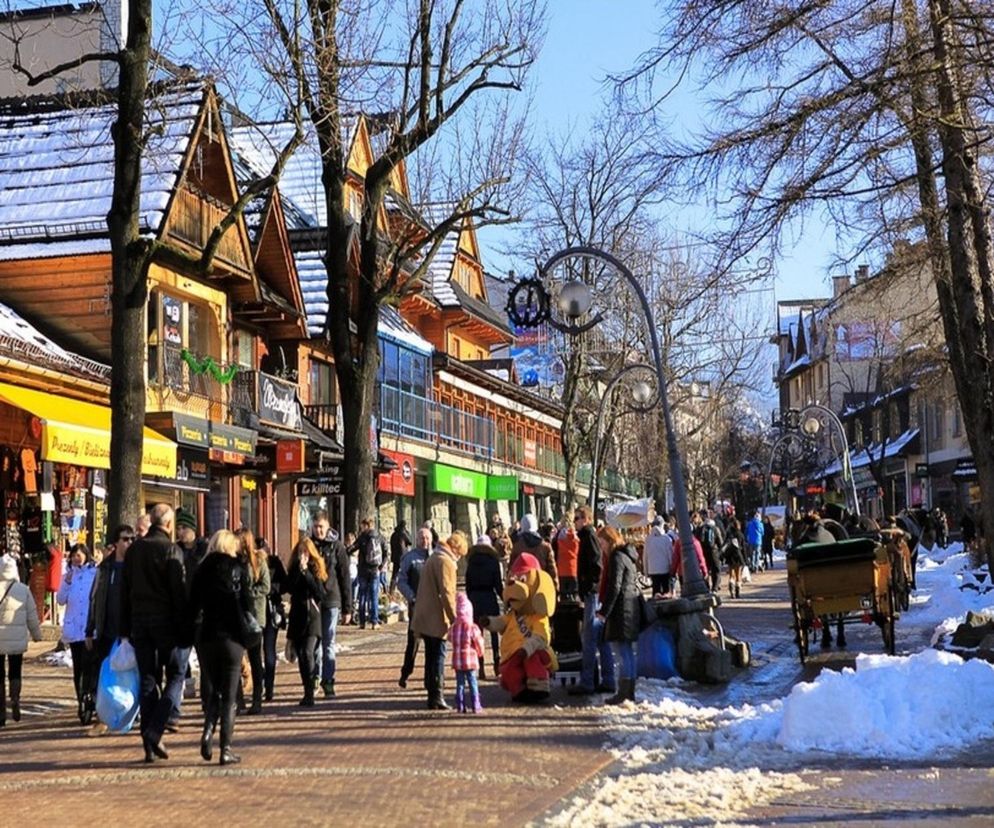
(678, 559)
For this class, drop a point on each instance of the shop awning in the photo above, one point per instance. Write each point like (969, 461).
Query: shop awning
(79, 432)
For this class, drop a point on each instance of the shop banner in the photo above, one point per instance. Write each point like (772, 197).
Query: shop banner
(191, 431)
(192, 466)
(450, 480)
(399, 480)
(278, 402)
(233, 440)
(531, 453)
(502, 487)
(328, 482)
(82, 446)
(289, 456)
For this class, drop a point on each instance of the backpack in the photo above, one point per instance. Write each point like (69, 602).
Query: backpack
(371, 551)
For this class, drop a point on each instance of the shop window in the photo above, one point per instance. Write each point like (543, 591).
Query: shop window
(243, 349)
(175, 324)
(322, 386)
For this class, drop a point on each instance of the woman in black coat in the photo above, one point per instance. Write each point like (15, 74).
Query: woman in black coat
(219, 594)
(275, 615)
(306, 577)
(735, 556)
(622, 612)
(484, 586)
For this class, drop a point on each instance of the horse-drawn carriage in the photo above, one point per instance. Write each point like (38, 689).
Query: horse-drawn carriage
(846, 581)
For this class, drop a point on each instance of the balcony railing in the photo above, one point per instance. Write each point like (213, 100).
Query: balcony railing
(323, 415)
(170, 376)
(409, 415)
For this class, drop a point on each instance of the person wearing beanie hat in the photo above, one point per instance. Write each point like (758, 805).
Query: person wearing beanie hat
(185, 519)
(530, 541)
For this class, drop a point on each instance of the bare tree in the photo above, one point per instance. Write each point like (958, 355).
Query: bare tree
(851, 109)
(433, 77)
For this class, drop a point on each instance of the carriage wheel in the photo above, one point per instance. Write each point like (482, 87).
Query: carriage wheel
(800, 629)
(887, 623)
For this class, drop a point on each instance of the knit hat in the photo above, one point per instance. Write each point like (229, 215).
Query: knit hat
(187, 519)
(484, 540)
(529, 523)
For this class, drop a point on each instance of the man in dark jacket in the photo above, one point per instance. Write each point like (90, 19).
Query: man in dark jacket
(337, 603)
(371, 562)
(400, 542)
(409, 576)
(588, 575)
(103, 624)
(153, 616)
(531, 541)
(194, 548)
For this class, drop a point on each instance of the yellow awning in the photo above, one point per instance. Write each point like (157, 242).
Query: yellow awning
(79, 432)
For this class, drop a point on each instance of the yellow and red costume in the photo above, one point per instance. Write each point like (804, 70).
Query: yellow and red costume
(526, 659)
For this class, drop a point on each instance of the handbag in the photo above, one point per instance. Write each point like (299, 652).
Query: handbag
(251, 631)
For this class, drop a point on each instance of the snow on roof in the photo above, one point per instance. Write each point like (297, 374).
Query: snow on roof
(22, 339)
(314, 288)
(57, 169)
(300, 184)
(862, 458)
(440, 267)
(394, 327)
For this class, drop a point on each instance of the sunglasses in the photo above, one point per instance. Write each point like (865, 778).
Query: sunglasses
(126, 538)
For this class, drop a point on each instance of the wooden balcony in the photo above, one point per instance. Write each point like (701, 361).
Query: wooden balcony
(193, 219)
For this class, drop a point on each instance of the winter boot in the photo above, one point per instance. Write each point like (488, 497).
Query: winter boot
(256, 707)
(731, 589)
(738, 590)
(626, 692)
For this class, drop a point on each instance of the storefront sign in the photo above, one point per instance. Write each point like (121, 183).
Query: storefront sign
(531, 453)
(191, 466)
(289, 456)
(966, 470)
(399, 480)
(232, 440)
(921, 470)
(862, 478)
(250, 484)
(82, 446)
(330, 482)
(191, 431)
(278, 402)
(502, 487)
(450, 480)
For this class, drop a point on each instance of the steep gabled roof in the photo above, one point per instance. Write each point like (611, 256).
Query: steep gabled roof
(57, 171)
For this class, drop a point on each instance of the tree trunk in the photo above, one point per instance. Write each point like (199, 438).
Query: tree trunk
(967, 302)
(129, 288)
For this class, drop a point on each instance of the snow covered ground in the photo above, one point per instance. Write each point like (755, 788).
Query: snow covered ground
(681, 762)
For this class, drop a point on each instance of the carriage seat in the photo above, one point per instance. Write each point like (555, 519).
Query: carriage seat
(847, 551)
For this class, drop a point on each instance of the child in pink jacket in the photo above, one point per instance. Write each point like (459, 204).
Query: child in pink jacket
(467, 650)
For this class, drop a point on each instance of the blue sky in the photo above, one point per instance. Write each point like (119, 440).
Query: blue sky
(587, 39)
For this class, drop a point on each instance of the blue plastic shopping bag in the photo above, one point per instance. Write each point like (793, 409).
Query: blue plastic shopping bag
(118, 691)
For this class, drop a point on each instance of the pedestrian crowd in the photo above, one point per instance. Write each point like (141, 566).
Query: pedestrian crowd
(220, 603)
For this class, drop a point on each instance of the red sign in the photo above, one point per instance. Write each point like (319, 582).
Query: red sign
(531, 453)
(399, 480)
(814, 489)
(289, 455)
(232, 457)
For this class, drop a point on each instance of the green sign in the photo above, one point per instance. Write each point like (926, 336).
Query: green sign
(502, 487)
(450, 480)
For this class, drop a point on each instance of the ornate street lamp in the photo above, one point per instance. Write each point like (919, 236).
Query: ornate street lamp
(644, 399)
(529, 306)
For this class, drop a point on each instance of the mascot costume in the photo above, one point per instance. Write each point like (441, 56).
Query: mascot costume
(526, 660)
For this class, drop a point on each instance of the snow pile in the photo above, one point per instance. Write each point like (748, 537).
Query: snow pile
(899, 707)
(684, 762)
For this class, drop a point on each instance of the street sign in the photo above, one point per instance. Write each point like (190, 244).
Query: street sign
(922, 470)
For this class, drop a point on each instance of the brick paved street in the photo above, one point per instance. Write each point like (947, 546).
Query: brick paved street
(373, 754)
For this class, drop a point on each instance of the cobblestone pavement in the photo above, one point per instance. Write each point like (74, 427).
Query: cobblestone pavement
(373, 754)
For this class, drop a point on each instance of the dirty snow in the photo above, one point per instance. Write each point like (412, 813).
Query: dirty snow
(681, 762)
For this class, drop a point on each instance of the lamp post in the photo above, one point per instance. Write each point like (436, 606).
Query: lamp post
(575, 301)
(643, 397)
(811, 425)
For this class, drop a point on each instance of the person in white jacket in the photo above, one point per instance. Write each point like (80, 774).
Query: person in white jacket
(74, 594)
(18, 617)
(658, 557)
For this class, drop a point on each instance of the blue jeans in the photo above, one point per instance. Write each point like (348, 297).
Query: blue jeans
(592, 637)
(624, 656)
(753, 550)
(329, 625)
(464, 678)
(369, 597)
